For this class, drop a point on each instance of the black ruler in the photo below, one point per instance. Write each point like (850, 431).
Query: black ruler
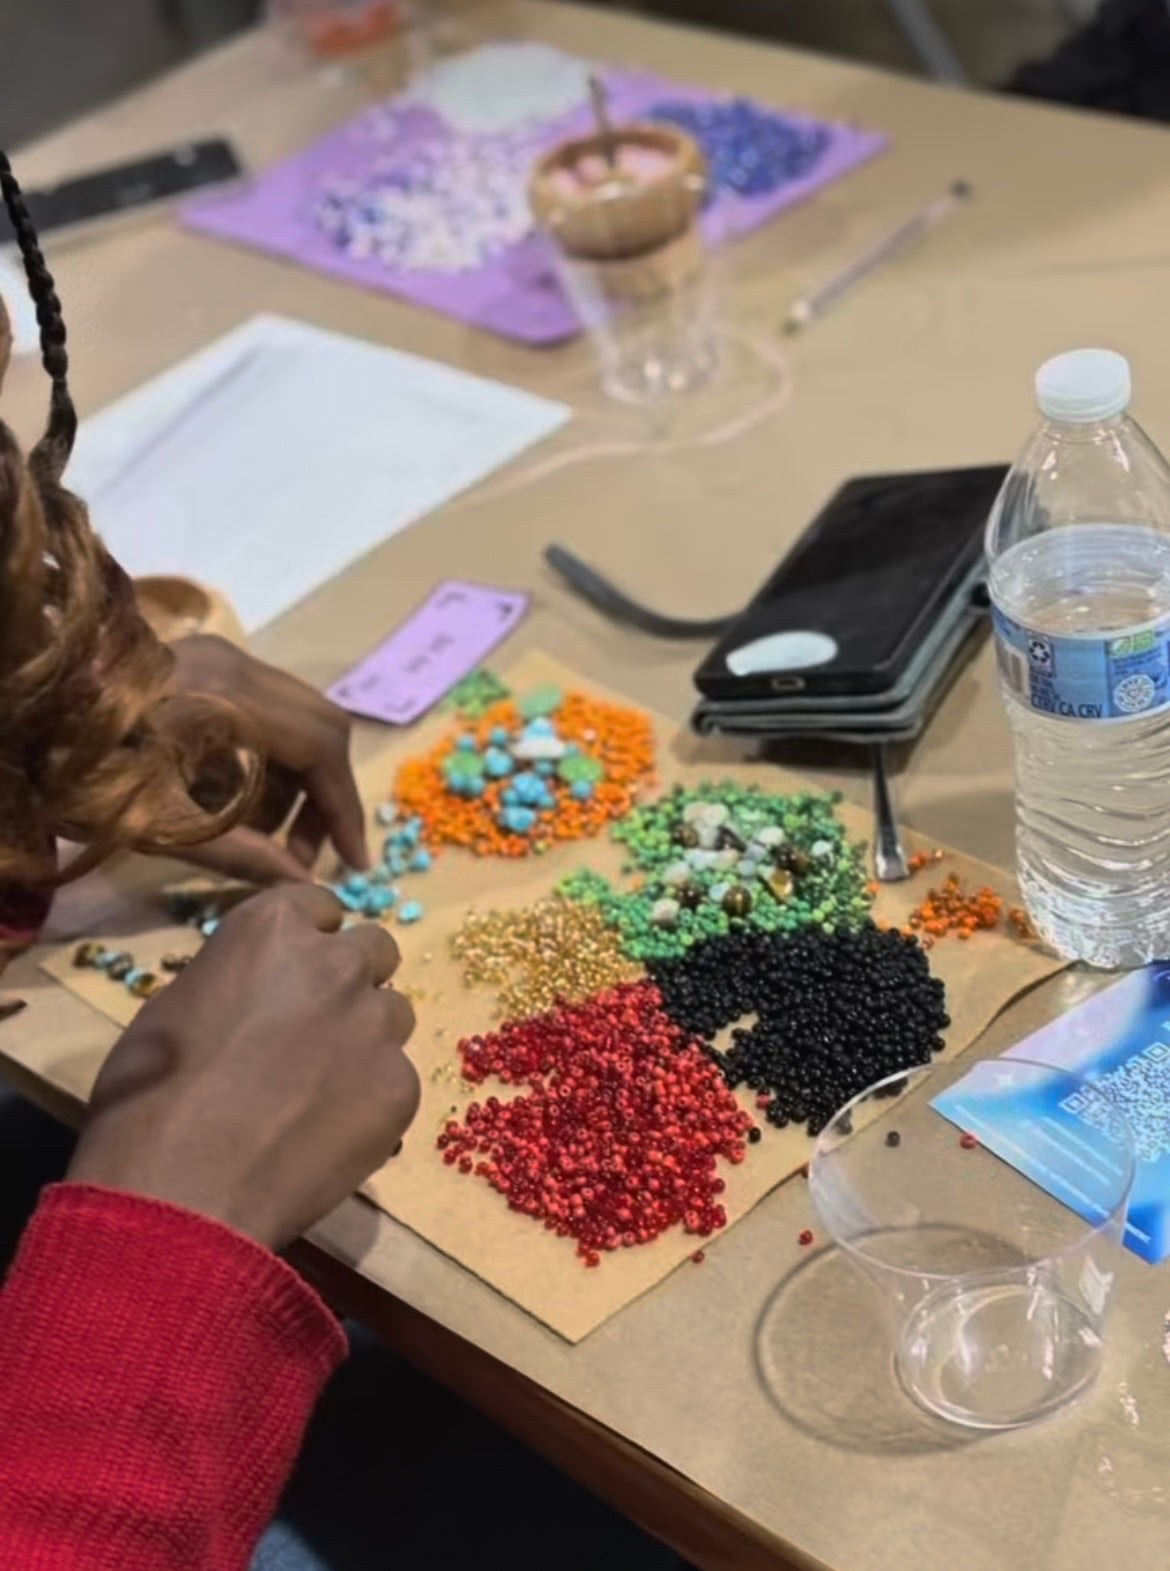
(128, 188)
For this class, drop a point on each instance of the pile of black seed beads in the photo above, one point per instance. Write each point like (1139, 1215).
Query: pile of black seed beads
(817, 1017)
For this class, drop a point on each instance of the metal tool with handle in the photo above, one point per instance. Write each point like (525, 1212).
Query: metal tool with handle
(890, 863)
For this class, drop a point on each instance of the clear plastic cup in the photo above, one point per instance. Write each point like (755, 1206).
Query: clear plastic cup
(650, 343)
(622, 211)
(995, 1292)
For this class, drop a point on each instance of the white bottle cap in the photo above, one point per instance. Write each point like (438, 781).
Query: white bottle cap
(1084, 385)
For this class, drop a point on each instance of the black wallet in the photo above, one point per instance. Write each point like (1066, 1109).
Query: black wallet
(956, 635)
(859, 631)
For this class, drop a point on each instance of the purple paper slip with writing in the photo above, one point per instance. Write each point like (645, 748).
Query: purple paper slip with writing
(437, 645)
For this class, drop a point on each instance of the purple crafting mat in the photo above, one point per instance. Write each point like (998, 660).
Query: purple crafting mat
(516, 294)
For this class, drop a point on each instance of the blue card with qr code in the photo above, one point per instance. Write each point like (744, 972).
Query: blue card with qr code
(1119, 1041)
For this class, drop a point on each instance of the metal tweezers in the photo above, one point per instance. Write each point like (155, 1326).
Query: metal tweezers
(890, 865)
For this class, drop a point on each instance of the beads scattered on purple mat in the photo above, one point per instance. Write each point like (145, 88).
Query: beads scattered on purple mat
(750, 151)
(442, 205)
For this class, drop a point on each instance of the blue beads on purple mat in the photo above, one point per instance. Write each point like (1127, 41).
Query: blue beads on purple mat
(750, 151)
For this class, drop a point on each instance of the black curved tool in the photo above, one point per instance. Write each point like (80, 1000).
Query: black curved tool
(613, 603)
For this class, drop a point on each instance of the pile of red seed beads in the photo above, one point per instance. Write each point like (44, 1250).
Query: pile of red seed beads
(618, 1134)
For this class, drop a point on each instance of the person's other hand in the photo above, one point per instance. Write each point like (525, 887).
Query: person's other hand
(305, 742)
(268, 1080)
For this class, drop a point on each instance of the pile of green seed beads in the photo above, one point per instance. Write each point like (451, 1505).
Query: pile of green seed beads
(472, 697)
(811, 877)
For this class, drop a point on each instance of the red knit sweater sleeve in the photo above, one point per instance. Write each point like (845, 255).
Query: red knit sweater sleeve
(156, 1374)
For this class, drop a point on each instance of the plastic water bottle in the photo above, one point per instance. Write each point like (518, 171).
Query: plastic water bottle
(1079, 547)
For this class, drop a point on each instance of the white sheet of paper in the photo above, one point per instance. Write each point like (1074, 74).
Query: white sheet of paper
(22, 314)
(281, 453)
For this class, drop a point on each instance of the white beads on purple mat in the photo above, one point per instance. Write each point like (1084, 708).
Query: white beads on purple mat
(442, 205)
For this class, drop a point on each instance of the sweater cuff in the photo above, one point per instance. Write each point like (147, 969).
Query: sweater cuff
(219, 1276)
(159, 1370)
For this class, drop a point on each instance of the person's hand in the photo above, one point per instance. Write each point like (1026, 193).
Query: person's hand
(268, 1080)
(305, 741)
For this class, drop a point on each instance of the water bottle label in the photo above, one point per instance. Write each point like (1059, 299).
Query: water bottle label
(1086, 678)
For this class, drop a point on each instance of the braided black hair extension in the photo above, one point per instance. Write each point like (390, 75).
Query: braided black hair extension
(52, 451)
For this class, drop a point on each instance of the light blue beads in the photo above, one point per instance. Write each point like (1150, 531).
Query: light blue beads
(529, 790)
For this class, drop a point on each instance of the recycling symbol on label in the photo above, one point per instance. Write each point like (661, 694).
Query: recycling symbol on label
(1040, 651)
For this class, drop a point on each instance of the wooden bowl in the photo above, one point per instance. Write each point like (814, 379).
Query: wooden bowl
(598, 213)
(178, 607)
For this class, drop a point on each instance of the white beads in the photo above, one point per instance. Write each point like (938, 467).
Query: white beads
(440, 205)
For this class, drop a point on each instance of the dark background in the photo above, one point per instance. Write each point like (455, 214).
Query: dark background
(61, 57)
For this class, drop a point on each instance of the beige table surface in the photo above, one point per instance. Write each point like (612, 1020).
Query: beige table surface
(1068, 242)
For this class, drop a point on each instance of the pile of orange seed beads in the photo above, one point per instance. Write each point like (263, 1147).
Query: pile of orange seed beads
(620, 738)
(952, 909)
(556, 951)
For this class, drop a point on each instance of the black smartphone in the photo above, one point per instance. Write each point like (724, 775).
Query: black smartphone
(124, 189)
(861, 591)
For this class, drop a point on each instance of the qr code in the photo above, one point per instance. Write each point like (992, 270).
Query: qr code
(1140, 1091)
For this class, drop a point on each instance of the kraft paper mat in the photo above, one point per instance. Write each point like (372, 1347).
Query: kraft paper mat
(461, 1215)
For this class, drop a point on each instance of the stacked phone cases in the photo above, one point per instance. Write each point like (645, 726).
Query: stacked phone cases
(862, 628)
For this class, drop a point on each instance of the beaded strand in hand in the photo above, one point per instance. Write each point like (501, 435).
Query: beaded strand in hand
(832, 1013)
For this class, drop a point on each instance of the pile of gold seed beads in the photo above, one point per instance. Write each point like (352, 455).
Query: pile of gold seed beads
(556, 951)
